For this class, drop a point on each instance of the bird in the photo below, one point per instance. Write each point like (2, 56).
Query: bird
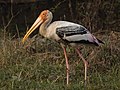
(65, 33)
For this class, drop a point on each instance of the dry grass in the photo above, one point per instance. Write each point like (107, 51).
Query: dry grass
(40, 65)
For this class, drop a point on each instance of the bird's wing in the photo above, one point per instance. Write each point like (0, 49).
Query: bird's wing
(76, 34)
(70, 31)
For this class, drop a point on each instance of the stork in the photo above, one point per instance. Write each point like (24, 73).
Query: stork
(64, 32)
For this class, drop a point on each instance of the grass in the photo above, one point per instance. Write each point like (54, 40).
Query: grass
(41, 65)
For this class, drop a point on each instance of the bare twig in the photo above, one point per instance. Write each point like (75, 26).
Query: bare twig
(53, 9)
(70, 7)
(26, 23)
(17, 31)
(11, 19)
(12, 16)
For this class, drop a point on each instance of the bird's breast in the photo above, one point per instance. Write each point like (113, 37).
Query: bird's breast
(51, 34)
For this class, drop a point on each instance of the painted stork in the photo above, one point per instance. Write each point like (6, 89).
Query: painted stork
(64, 32)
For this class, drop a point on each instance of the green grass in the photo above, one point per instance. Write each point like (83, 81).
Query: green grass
(22, 69)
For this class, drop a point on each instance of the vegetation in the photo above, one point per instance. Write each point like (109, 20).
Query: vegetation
(39, 64)
(93, 14)
(23, 68)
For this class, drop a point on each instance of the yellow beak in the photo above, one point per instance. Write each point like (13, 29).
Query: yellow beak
(33, 27)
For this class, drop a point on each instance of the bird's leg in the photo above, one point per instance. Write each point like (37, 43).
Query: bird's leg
(67, 65)
(85, 63)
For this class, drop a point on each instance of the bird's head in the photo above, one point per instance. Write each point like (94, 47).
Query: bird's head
(44, 16)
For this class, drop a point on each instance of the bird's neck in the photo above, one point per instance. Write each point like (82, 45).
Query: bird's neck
(43, 28)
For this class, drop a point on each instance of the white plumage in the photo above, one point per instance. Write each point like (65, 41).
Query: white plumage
(58, 24)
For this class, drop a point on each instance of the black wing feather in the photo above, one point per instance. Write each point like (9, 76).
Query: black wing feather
(70, 30)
